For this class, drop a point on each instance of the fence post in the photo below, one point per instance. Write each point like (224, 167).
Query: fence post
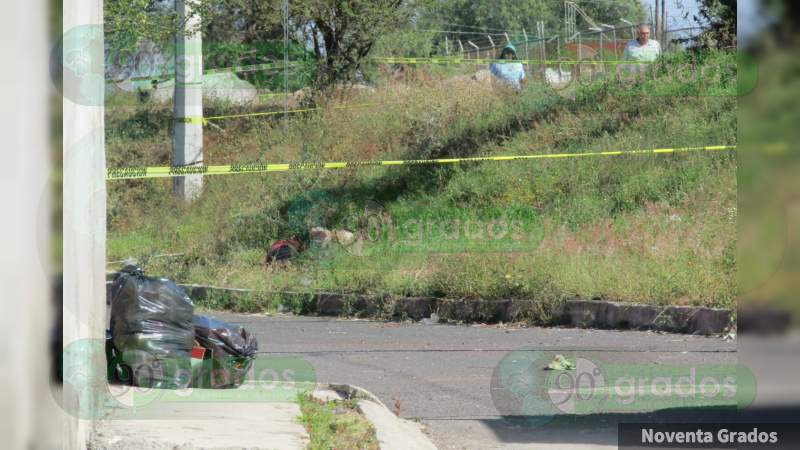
(602, 50)
(558, 52)
(527, 53)
(187, 145)
(477, 52)
(657, 27)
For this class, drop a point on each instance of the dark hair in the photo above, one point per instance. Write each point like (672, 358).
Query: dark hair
(506, 51)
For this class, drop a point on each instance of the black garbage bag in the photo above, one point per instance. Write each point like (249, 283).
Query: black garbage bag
(151, 329)
(231, 351)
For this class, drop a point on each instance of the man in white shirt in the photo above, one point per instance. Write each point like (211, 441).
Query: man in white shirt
(643, 48)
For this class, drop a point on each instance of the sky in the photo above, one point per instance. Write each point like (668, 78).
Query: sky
(675, 12)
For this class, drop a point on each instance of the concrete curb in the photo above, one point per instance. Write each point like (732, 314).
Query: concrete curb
(600, 314)
(393, 432)
(579, 313)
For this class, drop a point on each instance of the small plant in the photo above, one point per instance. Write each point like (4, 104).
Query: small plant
(336, 424)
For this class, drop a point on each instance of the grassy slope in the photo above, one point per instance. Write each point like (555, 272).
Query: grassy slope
(638, 228)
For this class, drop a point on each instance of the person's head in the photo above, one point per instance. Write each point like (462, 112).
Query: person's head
(644, 34)
(508, 52)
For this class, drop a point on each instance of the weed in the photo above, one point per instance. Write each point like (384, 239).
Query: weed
(644, 228)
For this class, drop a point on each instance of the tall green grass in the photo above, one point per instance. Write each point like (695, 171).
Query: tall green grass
(646, 228)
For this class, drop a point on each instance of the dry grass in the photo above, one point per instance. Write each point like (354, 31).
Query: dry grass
(654, 229)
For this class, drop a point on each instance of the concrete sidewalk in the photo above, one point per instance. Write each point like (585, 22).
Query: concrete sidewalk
(200, 425)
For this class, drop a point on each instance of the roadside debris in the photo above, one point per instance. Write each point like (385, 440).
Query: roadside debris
(433, 320)
(344, 237)
(560, 363)
(283, 250)
(229, 356)
(320, 237)
(151, 329)
(157, 341)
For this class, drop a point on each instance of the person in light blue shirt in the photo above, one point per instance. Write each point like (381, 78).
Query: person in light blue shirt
(643, 48)
(511, 73)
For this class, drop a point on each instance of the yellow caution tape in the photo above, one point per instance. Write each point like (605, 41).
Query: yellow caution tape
(237, 69)
(272, 94)
(205, 120)
(128, 173)
(267, 113)
(400, 60)
(192, 120)
(249, 68)
(386, 60)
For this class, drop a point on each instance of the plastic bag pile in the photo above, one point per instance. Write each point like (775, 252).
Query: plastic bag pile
(153, 332)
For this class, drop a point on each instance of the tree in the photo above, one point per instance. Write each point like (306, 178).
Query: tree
(718, 17)
(611, 11)
(516, 15)
(342, 32)
(127, 22)
(490, 16)
(247, 21)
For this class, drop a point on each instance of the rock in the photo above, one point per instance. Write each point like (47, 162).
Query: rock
(482, 76)
(344, 237)
(227, 87)
(217, 87)
(557, 78)
(296, 98)
(320, 237)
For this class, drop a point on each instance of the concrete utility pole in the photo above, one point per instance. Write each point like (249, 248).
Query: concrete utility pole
(84, 254)
(663, 22)
(187, 146)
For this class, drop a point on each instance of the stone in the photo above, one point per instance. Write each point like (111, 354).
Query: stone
(482, 76)
(320, 237)
(344, 237)
(223, 87)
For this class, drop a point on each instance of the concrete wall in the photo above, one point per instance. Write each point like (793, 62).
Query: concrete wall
(25, 317)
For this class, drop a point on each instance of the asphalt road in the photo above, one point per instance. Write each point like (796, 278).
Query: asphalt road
(443, 374)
